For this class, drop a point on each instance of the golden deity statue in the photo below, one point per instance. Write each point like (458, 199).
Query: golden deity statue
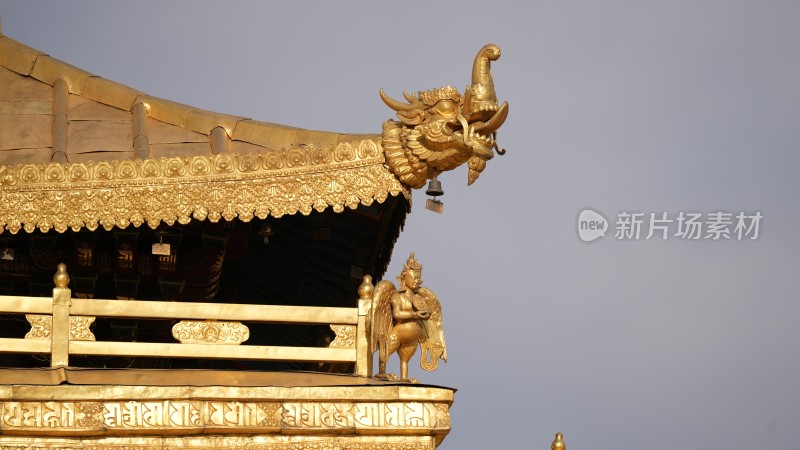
(402, 319)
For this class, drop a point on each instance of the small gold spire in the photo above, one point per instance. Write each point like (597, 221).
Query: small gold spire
(558, 443)
(61, 278)
(366, 289)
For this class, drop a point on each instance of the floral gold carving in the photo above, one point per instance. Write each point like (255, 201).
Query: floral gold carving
(224, 186)
(41, 326)
(79, 328)
(442, 416)
(345, 336)
(89, 414)
(210, 332)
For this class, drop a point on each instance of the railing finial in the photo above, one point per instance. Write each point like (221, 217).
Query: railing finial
(558, 443)
(366, 289)
(61, 278)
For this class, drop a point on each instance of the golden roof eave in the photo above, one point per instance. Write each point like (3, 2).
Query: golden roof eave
(120, 193)
(237, 168)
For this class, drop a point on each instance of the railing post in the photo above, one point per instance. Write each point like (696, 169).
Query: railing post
(363, 355)
(59, 333)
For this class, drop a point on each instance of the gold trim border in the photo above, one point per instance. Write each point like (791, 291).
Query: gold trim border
(224, 186)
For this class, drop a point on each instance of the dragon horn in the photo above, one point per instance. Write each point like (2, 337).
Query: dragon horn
(481, 68)
(394, 104)
(482, 82)
(410, 97)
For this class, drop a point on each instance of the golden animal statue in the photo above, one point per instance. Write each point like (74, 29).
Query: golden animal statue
(402, 319)
(441, 129)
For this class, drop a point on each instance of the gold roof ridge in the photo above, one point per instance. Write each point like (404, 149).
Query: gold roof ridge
(30, 62)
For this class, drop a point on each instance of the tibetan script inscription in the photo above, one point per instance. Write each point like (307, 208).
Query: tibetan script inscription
(227, 416)
(238, 414)
(132, 415)
(152, 414)
(215, 442)
(37, 415)
(395, 415)
(359, 415)
(318, 415)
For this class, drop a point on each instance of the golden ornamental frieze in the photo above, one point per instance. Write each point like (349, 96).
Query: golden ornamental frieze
(221, 442)
(120, 193)
(190, 416)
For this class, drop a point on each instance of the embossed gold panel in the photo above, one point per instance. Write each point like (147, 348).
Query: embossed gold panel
(224, 186)
(345, 336)
(41, 327)
(210, 332)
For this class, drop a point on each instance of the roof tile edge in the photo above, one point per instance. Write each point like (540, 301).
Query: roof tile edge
(28, 61)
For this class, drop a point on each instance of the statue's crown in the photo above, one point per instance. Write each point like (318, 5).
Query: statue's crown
(432, 96)
(412, 264)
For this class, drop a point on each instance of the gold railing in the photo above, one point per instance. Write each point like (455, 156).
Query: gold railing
(60, 327)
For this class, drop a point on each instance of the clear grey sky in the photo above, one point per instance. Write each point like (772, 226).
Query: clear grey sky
(644, 106)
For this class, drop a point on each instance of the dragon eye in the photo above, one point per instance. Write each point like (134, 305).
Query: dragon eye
(445, 108)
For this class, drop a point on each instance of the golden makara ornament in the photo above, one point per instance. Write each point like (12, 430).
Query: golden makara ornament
(441, 129)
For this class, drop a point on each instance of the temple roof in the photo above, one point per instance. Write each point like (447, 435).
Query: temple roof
(83, 151)
(85, 161)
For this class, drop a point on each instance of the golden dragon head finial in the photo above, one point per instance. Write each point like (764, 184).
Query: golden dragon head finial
(441, 129)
